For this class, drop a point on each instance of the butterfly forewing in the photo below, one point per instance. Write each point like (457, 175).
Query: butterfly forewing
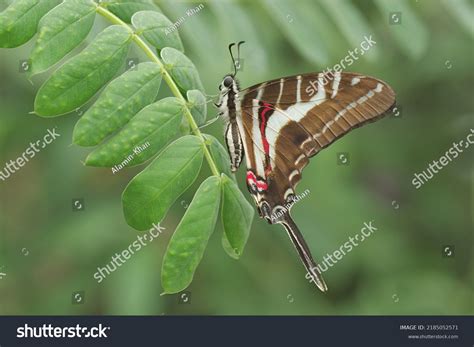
(286, 121)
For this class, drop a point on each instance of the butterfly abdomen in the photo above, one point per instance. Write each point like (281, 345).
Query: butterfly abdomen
(234, 144)
(229, 107)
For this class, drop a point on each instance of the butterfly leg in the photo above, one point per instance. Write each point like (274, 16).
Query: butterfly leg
(209, 122)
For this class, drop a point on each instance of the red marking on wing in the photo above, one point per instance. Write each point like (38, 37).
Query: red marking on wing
(266, 146)
(261, 186)
(251, 178)
(263, 125)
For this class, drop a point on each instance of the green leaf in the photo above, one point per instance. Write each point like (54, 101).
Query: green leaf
(463, 12)
(149, 195)
(147, 133)
(74, 83)
(124, 9)
(220, 156)
(181, 69)
(411, 35)
(351, 23)
(60, 31)
(297, 22)
(228, 248)
(237, 215)
(19, 21)
(154, 27)
(197, 103)
(118, 103)
(184, 128)
(186, 247)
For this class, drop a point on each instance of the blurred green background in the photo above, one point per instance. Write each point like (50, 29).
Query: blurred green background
(49, 252)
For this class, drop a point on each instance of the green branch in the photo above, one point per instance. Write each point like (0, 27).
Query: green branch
(169, 81)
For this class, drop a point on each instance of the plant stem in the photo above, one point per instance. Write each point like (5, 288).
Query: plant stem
(169, 81)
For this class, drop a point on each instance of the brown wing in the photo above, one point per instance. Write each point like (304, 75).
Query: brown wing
(286, 121)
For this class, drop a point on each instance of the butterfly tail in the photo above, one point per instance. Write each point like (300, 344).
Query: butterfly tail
(304, 252)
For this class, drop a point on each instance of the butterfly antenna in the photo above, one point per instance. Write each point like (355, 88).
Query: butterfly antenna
(303, 251)
(238, 49)
(233, 59)
(238, 59)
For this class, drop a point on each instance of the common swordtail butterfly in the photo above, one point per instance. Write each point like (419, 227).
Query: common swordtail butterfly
(279, 124)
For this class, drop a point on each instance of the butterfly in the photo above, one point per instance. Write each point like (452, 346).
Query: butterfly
(279, 125)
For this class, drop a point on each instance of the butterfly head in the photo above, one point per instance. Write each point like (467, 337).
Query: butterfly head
(229, 87)
(227, 84)
(228, 96)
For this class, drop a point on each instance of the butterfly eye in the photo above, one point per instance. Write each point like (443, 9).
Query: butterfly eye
(228, 81)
